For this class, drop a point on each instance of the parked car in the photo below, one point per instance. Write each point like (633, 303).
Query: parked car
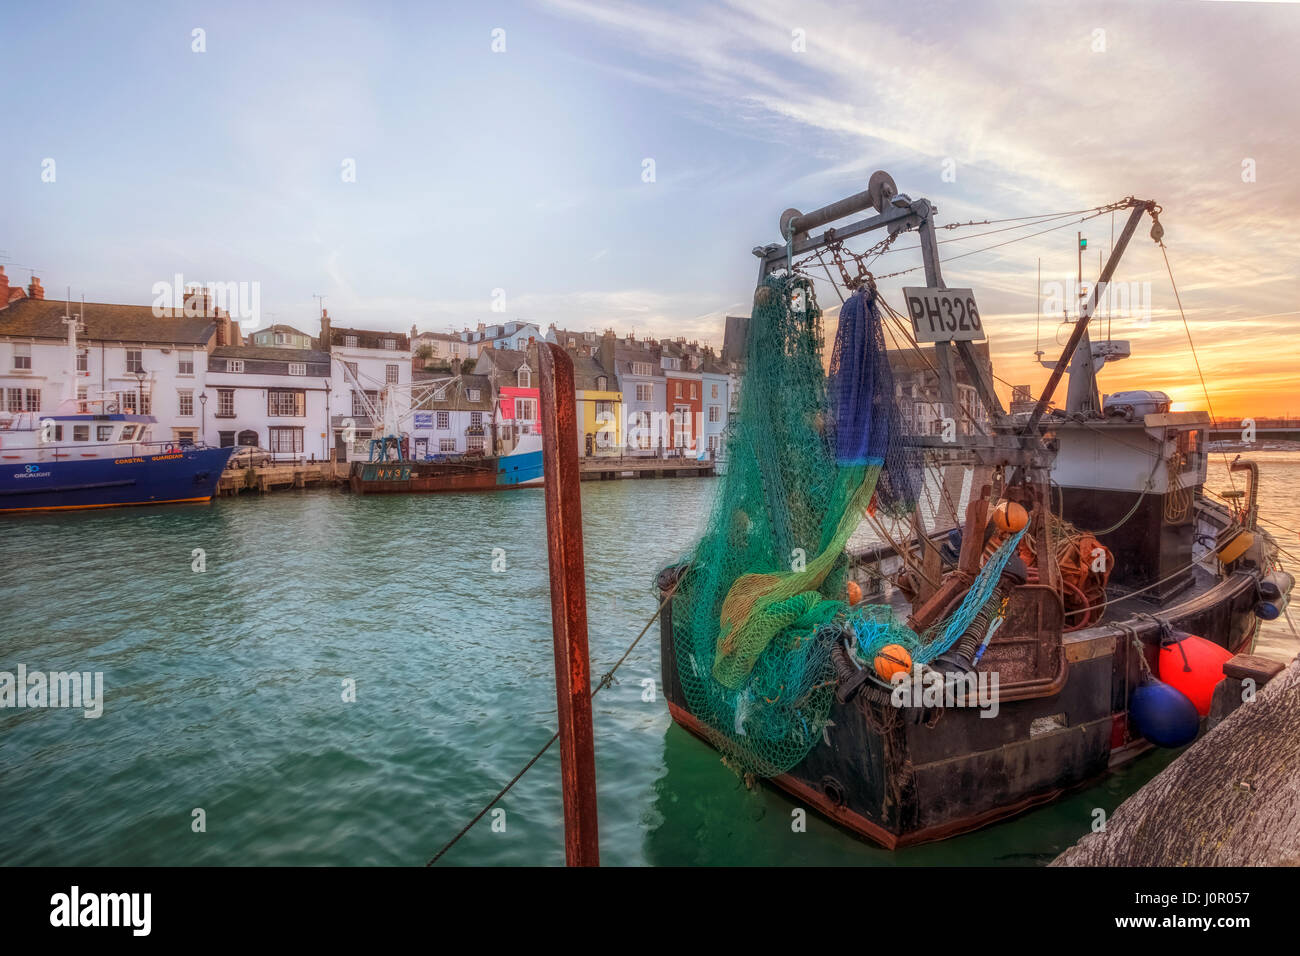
(249, 456)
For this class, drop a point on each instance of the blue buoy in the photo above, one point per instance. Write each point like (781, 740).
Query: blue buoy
(1163, 715)
(1268, 611)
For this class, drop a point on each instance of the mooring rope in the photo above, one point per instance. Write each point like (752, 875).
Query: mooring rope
(606, 680)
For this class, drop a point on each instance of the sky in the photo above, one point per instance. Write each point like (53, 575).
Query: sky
(516, 178)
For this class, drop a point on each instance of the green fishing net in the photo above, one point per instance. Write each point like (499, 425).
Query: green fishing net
(807, 454)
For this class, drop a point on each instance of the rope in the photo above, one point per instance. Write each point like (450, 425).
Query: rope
(1188, 329)
(606, 680)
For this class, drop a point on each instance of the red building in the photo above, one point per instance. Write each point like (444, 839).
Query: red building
(684, 405)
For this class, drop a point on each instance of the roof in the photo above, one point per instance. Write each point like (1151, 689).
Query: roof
(43, 318)
(735, 338)
(440, 336)
(370, 339)
(587, 369)
(270, 353)
(456, 395)
(910, 360)
(280, 328)
(509, 360)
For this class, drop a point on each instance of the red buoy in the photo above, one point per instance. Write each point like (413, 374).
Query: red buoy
(1194, 666)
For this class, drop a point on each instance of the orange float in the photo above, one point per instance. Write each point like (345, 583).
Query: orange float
(890, 660)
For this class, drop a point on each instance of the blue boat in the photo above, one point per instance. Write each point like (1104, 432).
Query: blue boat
(70, 461)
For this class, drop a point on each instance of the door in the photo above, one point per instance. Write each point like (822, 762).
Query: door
(421, 449)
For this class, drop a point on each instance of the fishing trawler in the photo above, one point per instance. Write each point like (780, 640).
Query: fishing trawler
(390, 472)
(1090, 596)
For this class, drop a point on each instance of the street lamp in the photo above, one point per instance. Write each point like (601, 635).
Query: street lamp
(139, 377)
(203, 418)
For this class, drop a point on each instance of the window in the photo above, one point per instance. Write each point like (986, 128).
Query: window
(297, 368)
(83, 357)
(390, 374)
(281, 338)
(713, 443)
(185, 362)
(248, 437)
(475, 443)
(359, 405)
(642, 368)
(455, 348)
(128, 403)
(226, 439)
(22, 356)
(185, 404)
(146, 403)
(679, 389)
(286, 403)
(352, 368)
(605, 409)
(444, 421)
(715, 390)
(225, 403)
(128, 433)
(446, 444)
(524, 409)
(525, 377)
(286, 441)
(474, 394)
(234, 365)
(350, 341)
(33, 399)
(715, 413)
(134, 360)
(475, 419)
(81, 399)
(390, 343)
(81, 433)
(645, 393)
(602, 383)
(103, 432)
(14, 400)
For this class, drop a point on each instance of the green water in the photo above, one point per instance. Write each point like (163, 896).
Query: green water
(224, 691)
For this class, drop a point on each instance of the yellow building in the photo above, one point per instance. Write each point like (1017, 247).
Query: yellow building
(600, 408)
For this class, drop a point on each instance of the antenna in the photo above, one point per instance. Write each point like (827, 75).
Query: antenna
(320, 302)
(1038, 308)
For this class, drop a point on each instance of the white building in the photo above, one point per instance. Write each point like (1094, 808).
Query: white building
(126, 358)
(370, 372)
(274, 398)
(452, 416)
(517, 336)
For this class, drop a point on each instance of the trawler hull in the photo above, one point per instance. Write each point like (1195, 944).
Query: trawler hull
(463, 474)
(903, 776)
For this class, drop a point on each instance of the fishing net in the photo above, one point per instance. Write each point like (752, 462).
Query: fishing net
(808, 454)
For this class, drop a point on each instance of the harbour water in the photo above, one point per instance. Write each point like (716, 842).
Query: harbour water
(225, 689)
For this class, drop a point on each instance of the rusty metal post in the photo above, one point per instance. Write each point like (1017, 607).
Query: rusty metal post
(568, 605)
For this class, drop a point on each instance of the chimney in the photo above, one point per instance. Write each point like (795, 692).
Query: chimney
(4, 288)
(455, 366)
(413, 331)
(607, 344)
(34, 290)
(325, 330)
